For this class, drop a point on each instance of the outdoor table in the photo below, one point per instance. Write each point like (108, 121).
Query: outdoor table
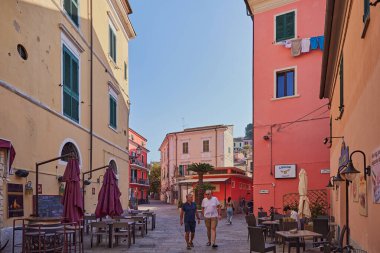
(264, 218)
(110, 231)
(297, 236)
(273, 224)
(153, 216)
(140, 217)
(51, 239)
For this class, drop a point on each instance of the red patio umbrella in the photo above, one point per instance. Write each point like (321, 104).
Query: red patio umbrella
(109, 197)
(72, 199)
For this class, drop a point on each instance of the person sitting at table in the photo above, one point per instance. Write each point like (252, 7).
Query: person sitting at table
(292, 213)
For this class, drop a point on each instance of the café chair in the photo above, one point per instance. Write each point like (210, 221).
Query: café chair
(257, 241)
(99, 229)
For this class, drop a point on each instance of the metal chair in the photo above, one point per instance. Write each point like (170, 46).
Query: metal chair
(321, 226)
(257, 241)
(99, 229)
(121, 229)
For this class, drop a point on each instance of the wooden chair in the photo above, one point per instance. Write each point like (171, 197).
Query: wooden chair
(257, 241)
(121, 229)
(99, 229)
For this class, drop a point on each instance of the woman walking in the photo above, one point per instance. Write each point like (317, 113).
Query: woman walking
(230, 210)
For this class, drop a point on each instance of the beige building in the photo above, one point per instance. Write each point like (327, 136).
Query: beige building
(209, 144)
(63, 88)
(350, 80)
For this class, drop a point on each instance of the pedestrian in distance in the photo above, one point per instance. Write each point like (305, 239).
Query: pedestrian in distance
(187, 217)
(212, 213)
(230, 210)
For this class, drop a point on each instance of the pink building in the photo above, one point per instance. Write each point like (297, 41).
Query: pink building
(289, 120)
(209, 144)
(138, 157)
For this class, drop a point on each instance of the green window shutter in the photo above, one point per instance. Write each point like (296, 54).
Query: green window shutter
(67, 6)
(112, 44)
(285, 26)
(70, 85)
(280, 27)
(125, 71)
(114, 47)
(112, 112)
(341, 75)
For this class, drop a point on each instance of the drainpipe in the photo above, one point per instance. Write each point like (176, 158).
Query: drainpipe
(91, 90)
(271, 151)
(216, 147)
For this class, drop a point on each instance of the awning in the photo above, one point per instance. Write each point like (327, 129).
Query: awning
(205, 180)
(12, 153)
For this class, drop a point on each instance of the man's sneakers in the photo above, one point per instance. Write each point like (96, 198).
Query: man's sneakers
(214, 246)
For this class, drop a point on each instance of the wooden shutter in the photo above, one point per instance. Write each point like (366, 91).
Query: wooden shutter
(280, 25)
(289, 25)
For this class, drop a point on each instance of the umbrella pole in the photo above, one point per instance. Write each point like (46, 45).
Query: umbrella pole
(90, 171)
(71, 155)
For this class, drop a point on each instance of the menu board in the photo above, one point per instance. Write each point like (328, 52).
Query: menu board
(49, 205)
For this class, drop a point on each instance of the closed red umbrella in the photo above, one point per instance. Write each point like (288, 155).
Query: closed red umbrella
(109, 197)
(72, 199)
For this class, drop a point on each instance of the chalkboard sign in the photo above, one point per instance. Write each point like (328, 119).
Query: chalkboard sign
(49, 205)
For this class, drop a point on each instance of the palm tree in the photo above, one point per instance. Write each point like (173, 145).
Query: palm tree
(200, 169)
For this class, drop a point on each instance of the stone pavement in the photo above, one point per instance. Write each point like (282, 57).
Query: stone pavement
(168, 237)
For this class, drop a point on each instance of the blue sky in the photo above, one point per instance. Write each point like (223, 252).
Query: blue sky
(189, 64)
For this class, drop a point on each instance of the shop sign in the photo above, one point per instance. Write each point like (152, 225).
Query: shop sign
(375, 175)
(325, 171)
(264, 191)
(285, 171)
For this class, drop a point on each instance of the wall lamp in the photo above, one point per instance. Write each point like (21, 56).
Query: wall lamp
(86, 182)
(350, 172)
(329, 139)
(374, 3)
(266, 137)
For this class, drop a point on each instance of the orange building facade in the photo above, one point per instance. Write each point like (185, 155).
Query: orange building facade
(289, 120)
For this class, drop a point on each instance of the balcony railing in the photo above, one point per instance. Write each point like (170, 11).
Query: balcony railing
(137, 162)
(140, 181)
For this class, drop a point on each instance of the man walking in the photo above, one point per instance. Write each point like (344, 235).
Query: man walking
(188, 213)
(211, 213)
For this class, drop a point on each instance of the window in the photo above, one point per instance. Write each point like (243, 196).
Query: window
(70, 84)
(71, 7)
(240, 186)
(341, 89)
(285, 83)
(113, 167)
(112, 34)
(366, 10)
(113, 112)
(68, 148)
(232, 184)
(229, 150)
(185, 148)
(285, 26)
(125, 71)
(206, 146)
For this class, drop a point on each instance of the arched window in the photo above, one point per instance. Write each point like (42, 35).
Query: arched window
(68, 148)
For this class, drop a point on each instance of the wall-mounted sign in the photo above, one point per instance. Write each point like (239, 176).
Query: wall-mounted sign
(325, 171)
(344, 156)
(285, 171)
(375, 167)
(39, 188)
(264, 192)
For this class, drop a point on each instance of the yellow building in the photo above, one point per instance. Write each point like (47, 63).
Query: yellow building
(350, 80)
(63, 88)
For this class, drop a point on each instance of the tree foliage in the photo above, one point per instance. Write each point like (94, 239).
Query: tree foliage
(200, 169)
(155, 178)
(249, 131)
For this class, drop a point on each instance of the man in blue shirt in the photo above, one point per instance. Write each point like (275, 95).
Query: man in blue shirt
(188, 213)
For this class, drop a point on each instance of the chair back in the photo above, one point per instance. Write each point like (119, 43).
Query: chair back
(120, 225)
(262, 214)
(99, 226)
(257, 241)
(288, 225)
(251, 220)
(321, 226)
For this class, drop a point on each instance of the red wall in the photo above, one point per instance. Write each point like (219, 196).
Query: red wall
(299, 143)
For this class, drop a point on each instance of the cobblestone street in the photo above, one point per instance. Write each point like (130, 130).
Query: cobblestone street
(168, 237)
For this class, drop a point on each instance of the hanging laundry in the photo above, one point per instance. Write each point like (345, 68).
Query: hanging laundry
(288, 43)
(313, 43)
(296, 47)
(305, 45)
(321, 42)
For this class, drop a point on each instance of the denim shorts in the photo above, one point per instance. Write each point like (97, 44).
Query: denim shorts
(190, 226)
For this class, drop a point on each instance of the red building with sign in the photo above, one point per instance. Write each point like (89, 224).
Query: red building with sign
(289, 120)
(138, 157)
(228, 182)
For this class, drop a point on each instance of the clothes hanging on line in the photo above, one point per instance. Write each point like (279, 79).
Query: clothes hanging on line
(305, 45)
(296, 47)
(317, 42)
